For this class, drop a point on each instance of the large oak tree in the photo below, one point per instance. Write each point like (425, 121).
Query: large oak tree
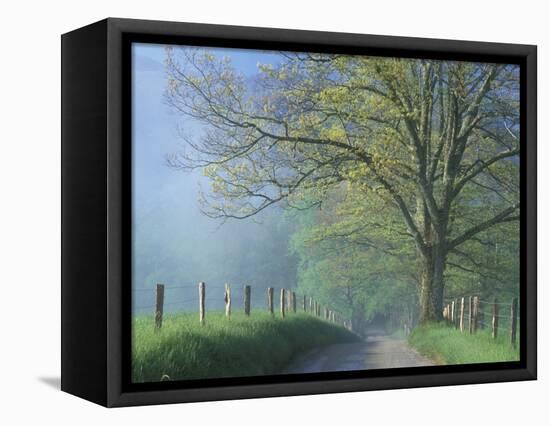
(437, 142)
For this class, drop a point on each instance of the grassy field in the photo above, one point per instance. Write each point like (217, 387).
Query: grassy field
(447, 345)
(243, 346)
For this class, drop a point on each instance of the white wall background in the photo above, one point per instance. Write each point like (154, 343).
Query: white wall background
(30, 211)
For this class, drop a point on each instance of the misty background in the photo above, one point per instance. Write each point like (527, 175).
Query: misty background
(172, 242)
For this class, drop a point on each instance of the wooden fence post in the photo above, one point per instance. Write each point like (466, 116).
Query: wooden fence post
(282, 302)
(494, 322)
(288, 301)
(461, 315)
(270, 300)
(159, 306)
(476, 313)
(227, 300)
(452, 312)
(247, 300)
(458, 314)
(470, 314)
(293, 302)
(513, 321)
(202, 293)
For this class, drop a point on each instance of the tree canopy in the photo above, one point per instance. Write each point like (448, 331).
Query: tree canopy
(407, 158)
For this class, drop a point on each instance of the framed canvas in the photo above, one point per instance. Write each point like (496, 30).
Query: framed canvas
(254, 212)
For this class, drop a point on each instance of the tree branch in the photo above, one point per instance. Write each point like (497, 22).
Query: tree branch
(482, 166)
(503, 216)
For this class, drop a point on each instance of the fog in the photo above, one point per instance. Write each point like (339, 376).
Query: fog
(173, 242)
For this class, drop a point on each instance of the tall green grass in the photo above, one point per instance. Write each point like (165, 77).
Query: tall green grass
(447, 345)
(242, 346)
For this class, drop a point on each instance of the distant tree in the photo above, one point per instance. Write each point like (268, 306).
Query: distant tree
(360, 282)
(435, 141)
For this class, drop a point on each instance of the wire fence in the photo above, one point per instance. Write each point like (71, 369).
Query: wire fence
(193, 298)
(186, 298)
(470, 314)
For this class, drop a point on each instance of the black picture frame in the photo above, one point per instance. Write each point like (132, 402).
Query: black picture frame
(96, 225)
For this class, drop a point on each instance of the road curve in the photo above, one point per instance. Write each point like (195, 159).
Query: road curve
(375, 352)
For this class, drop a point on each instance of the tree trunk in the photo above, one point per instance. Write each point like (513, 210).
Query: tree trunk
(427, 309)
(431, 284)
(440, 260)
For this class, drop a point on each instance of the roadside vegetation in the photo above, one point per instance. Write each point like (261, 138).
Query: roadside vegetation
(242, 346)
(447, 345)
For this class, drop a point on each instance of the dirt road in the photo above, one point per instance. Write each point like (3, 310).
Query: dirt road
(376, 351)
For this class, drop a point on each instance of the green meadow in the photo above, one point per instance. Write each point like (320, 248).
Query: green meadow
(241, 346)
(447, 345)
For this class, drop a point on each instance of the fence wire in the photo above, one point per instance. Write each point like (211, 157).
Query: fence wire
(213, 298)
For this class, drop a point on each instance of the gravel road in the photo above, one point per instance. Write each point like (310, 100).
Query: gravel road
(376, 351)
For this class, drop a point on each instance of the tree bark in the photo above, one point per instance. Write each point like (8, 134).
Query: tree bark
(432, 284)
